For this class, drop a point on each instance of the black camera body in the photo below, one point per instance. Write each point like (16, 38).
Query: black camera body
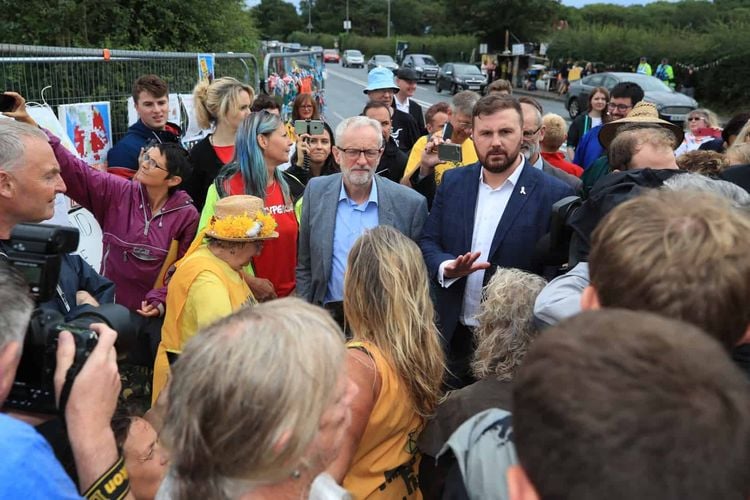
(36, 251)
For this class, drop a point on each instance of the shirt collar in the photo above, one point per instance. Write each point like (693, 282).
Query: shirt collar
(373, 193)
(539, 163)
(513, 179)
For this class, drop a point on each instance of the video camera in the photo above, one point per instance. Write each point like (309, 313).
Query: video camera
(36, 251)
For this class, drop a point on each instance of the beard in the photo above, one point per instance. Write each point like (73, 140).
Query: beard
(498, 161)
(529, 150)
(359, 177)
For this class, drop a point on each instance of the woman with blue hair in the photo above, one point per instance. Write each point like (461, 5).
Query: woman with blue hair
(261, 145)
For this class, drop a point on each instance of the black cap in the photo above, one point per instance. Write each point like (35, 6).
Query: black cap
(407, 74)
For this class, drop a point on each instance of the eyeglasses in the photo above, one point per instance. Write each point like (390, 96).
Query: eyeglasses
(307, 106)
(528, 134)
(619, 107)
(465, 125)
(150, 162)
(352, 154)
(695, 118)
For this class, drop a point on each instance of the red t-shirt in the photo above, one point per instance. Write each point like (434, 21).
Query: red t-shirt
(224, 153)
(278, 260)
(558, 160)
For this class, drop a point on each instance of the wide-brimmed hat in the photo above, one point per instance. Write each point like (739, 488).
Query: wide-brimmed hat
(643, 113)
(380, 78)
(241, 218)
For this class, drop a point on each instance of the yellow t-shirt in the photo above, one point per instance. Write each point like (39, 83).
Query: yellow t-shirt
(468, 153)
(202, 290)
(386, 462)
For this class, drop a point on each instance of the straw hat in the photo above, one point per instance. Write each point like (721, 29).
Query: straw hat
(241, 218)
(644, 113)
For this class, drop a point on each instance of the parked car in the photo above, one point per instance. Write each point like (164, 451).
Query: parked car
(460, 76)
(353, 58)
(673, 106)
(425, 66)
(331, 55)
(316, 48)
(382, 60)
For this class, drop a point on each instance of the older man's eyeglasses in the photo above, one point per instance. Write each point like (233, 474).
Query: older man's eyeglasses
(528, 134)
(353, 154)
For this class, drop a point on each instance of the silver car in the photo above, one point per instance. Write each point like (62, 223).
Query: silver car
(353, 58)
(673, 106)
(382, 60)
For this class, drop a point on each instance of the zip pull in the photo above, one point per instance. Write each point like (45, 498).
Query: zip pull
(145, 227)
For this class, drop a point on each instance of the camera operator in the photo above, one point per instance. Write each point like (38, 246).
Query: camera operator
(29, 464)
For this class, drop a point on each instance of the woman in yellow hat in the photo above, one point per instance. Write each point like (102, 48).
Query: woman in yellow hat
(208, 283)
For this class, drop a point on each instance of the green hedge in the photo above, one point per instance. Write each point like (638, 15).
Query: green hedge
(720, 54)
(443, 48)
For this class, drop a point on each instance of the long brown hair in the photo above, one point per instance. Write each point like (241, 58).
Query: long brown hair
(387, 302)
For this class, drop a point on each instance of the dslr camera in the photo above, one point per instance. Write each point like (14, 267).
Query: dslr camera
(36, 251)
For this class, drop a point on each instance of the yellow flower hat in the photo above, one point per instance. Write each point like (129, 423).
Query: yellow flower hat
(241, 218)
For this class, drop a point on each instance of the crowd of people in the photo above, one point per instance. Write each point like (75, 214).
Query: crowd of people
(469, 301)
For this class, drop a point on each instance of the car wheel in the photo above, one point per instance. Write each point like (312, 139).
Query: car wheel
(573, 108)
(454, 89)
(437, 87)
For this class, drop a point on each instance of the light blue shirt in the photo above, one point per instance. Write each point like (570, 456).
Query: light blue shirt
(352, 221)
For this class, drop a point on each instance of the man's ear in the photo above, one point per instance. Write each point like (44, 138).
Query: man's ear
(7, 187)
(519, 486)
(336, 154)
(10, 356)
(590, 299)
(542, 131)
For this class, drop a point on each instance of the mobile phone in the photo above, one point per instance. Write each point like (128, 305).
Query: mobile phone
(709, 132)
(447, 131)
(312, 127)
(450, 152)
(7, 103)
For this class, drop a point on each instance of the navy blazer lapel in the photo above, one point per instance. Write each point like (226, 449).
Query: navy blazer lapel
(469, 196)
(329, 202)
(522, 192)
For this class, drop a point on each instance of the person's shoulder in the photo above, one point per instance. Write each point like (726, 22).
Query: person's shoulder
(398, 191)
(462, 173)
(19, 439)
(317, 184)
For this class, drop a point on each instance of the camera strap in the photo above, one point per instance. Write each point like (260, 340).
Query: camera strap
(113, 484)
(70, 377)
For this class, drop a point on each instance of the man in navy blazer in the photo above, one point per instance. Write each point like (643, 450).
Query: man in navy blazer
(486, 215)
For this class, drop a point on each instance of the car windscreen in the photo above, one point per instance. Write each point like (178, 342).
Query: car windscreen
(467, 69)
(383, 58)
(425, 60)
(355, 53)
(647, 83)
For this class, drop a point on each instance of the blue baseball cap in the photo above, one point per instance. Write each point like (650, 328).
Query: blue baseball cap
(380, 78)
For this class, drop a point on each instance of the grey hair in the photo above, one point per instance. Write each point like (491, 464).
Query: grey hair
(12, 146)
(464, 102)
(15, 305)
(506, 323)
(737, 196)
(355, 122)
(246, 399)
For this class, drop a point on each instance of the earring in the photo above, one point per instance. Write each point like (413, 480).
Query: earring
(296, 474)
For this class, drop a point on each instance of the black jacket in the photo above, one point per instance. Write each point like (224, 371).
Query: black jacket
(393, 162)
(415, 111)
(405, 131)
(205, 167)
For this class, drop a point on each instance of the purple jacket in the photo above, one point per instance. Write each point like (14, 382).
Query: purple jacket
(136, 242)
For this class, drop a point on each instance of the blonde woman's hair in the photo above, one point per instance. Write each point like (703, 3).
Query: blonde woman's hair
(506, 323)
(246, 398)
(387, 302)
(743, 135)
(738, 153)
(708, 116)
(213, 101)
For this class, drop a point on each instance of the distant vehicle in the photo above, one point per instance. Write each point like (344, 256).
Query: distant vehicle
(673, 106)
(331, 55)
(382, 60)
(354, 58)
(460, 76)
(316, 48)
(425, 66)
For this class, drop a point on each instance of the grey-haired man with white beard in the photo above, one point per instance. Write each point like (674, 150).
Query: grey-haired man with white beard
(533, 132)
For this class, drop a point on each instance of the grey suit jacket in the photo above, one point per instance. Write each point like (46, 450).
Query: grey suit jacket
(571, 180)
(398, 206)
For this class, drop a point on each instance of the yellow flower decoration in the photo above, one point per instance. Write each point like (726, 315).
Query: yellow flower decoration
(243, 226)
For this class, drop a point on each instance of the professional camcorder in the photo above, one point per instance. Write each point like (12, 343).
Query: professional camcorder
(36, 251)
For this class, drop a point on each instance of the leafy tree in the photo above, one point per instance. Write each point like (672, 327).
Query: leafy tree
(277, 19)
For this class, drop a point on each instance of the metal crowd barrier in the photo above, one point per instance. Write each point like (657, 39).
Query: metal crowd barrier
(75, 75)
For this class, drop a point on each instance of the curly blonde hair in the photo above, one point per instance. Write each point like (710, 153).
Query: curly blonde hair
(506, 323)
